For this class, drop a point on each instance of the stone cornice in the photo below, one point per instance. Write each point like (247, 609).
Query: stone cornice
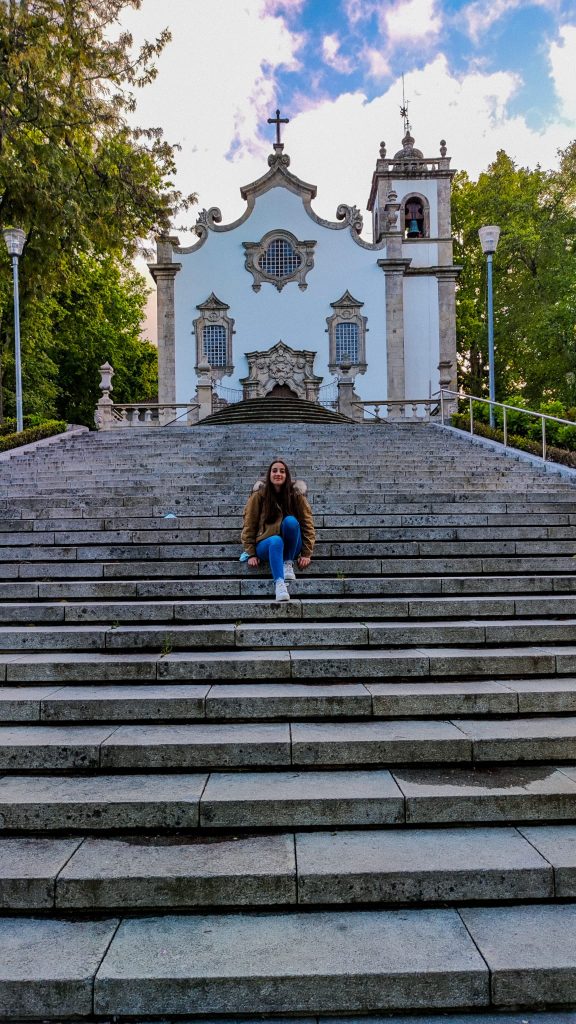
(164, 271)
(399, 266)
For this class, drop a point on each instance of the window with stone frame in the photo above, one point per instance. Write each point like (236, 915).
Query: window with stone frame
(279, 258)
(213, 331)
(214, 344)
(415, 216)
(347, 335)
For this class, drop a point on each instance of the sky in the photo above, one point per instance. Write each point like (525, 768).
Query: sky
(482, 75)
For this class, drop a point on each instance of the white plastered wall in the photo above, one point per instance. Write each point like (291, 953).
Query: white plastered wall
(421, 336)
(296, 317)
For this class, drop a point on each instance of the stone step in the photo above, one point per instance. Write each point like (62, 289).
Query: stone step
(309, 665)
(289, 635)
(273, 701)
(44, 571)
(325, 962)
(306, 586)
(204, 529)
(60, 746)
(338, 608)
(346, 552)
(392, 866)
(248, 800)
(331, 540)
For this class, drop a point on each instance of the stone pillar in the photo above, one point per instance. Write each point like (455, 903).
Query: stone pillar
(103, 414)
(204, 390)
(164, 271)
(347, 395)
(394, 269)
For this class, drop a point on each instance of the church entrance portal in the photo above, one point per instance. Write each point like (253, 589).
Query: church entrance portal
(281, 391)
(281, 372)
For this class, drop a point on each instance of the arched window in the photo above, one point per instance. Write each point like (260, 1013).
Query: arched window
(415, 216)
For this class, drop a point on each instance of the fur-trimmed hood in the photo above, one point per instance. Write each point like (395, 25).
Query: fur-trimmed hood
(300, 486)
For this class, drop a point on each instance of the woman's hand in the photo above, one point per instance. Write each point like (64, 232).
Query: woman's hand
(304, 562)
(253, 562)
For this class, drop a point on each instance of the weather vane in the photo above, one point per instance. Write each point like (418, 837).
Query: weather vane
(404, 110)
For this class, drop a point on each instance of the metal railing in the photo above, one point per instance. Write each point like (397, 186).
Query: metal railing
(396, 409)
(450, 397)
(228, 395)
(328, 395)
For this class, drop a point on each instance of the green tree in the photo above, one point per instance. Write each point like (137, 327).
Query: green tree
(534, 279)
(98, 320)
(73, 173)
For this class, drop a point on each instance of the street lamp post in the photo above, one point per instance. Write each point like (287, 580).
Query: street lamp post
(15, 238)
(489, 241)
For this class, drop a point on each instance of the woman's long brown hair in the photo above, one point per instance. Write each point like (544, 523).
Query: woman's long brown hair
(282, 499)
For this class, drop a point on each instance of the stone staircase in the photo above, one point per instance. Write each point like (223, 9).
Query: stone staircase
(217, 806)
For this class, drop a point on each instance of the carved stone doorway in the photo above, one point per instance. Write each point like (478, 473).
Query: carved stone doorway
(283, 367)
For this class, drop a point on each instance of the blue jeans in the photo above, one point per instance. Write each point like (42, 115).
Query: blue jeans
(280, 548)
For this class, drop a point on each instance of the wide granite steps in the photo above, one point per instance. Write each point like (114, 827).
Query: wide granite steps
(315, 665)
(175, 746)
(291, 635)
(309, 798)
(265, 702)
(510, 605)
(216, 806)
(258, 586)
(245, 964)
(387, 867)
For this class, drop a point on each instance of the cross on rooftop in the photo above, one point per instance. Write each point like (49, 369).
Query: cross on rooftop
(278, 121)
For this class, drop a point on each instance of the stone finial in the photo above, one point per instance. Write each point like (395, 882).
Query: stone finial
(443, 149)
(382, 150)
(204, 370)
(106, 374)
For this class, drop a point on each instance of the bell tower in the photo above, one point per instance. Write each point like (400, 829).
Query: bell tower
(411, 212)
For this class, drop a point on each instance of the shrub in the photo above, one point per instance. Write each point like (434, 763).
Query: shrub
(30, 434)
(526, 444)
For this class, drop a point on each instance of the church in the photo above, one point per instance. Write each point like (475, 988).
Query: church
(283, 302)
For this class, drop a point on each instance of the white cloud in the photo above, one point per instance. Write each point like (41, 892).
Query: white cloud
(283, 6)
(333, 58)
(563, 62)
(479, 16)
(359, 10)
(409, 20)
(377, 65)
(216, 88)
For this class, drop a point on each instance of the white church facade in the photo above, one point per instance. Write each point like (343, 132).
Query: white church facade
(283, 301)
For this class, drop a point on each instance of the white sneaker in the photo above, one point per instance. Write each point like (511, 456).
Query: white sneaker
(282, 591)
(289, 573)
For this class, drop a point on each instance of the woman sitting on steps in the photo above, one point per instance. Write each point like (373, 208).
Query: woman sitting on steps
(279, 526)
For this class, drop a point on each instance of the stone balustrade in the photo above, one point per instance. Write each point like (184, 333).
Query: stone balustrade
(395, 409)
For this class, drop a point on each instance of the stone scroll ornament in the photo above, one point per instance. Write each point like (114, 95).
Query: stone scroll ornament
(351, 216)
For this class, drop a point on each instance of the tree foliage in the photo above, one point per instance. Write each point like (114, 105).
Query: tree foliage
(85, 186)
(534, 279)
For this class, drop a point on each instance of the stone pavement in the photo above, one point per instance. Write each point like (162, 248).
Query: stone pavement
(214, 806)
